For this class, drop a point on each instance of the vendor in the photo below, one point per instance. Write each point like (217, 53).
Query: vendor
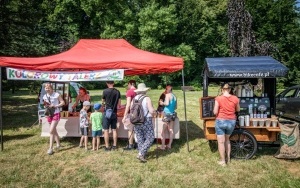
(83, 96)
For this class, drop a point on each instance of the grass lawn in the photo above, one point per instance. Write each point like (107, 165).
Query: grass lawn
(25, 163)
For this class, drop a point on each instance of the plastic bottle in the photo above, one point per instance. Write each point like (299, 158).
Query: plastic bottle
(250, 109)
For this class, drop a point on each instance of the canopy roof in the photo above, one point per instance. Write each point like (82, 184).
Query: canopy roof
(100, 54)
(244, 67)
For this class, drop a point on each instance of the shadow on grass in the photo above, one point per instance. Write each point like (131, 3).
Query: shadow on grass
(16, 137)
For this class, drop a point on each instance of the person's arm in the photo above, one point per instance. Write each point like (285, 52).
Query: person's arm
(167, 100)
(216, 107)
(128, 104)
(76, 102)
(237, 107)
(61, 102)
(150, 106)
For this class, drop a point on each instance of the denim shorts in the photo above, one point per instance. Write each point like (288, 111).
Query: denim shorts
(97, 133)
(223, 126)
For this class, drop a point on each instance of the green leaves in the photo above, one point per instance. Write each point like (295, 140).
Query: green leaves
(288, 140)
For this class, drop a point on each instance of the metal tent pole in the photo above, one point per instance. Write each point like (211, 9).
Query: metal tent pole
(1, 109)
(186, 127)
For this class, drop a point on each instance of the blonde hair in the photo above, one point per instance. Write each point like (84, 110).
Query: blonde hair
(48, 84)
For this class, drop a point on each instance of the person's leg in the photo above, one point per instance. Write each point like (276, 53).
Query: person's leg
(81, 141)
(106, 138)
(55, 134)
(98, 142)
(114, 130)
(221, 147)
(139, 137)
(130, 137)
(55, 121)
(227, 147)
(86, 142)
(149, 136)
(228, 131)
(105, 132)
(115, 137)
(51, 138)
(94, 143)
(171, 133)
(163, 136)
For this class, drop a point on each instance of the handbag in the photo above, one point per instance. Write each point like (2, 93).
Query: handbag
(109, 113)
(48, 110)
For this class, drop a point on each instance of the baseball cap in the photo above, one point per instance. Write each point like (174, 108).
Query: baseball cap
(97, 106)
(86, 103)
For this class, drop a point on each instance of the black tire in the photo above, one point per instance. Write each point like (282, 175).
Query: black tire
(243, 144)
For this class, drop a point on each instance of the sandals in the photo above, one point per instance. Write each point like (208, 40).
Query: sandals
(162, 148)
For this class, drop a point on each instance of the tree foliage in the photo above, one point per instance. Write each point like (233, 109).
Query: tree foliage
(191, 29)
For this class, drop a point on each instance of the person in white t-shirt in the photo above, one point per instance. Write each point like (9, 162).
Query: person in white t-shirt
(53, 100)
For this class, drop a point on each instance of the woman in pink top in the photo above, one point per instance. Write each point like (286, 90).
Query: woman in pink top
(225, 107)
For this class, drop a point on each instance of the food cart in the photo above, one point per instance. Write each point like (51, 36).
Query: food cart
(254, 81)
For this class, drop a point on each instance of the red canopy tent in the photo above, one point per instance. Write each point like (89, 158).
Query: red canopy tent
(100, 54)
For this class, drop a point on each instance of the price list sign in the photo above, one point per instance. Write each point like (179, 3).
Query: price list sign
(207, 107)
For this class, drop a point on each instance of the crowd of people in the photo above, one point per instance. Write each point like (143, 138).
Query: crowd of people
(103, 122)
(225, 108)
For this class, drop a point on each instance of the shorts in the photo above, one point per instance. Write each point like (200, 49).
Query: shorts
(109, 123)
(169, 117)
(223, 126)
(55, 117)
(84, 131)
(97, 133)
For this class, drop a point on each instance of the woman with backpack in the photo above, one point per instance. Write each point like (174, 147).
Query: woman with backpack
(144, 131)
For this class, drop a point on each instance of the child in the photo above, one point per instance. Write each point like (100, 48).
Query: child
(84, 124)
(96, 120)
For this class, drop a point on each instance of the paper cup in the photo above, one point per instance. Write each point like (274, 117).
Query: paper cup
(261, 123)
(62, 114)
(274, 123)
(268, 123)
(254, 123)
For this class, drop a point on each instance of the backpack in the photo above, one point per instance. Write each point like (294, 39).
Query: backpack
(136, 115)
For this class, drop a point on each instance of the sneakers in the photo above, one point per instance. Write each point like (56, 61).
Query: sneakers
(141, 158)
(129, 147)
(222, 163)
(50, 151)
(106, 149)
(114, 148)
(57, 148)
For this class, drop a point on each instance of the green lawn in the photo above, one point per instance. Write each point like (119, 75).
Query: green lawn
(24, 162)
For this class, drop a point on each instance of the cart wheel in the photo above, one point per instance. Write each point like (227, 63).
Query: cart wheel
(243, 144)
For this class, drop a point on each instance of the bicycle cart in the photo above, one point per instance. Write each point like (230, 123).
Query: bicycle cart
(254, 82)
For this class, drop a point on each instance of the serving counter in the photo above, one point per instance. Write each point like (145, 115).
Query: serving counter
(261, 133)
(69, 127)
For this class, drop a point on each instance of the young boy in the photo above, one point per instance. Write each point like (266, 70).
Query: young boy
(96, 120)
(84, 124)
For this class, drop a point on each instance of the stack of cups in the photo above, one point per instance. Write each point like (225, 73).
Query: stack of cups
(247, 120)
(242, 121)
